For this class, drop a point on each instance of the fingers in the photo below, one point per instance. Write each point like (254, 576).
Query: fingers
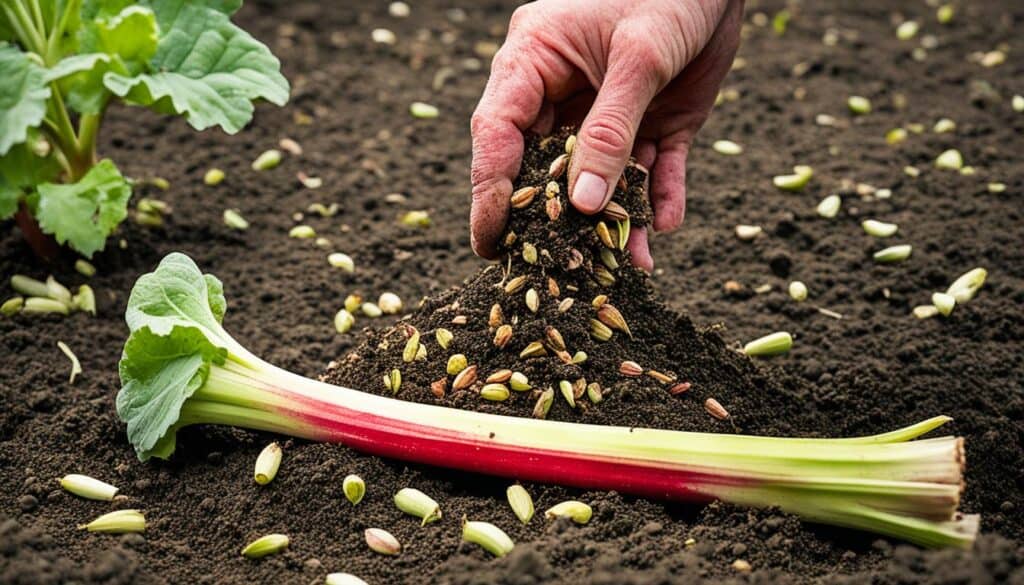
(668, 185)
(639, 250)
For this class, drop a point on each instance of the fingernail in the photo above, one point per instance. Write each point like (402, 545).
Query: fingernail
(589, 193)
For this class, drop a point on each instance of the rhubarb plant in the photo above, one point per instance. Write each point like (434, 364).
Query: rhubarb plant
(64, 62)
(180, 367)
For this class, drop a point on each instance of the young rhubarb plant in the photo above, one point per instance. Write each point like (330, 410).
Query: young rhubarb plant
(180, 367)
(63, 62)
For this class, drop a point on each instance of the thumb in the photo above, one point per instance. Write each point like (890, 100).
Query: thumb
(606, 138)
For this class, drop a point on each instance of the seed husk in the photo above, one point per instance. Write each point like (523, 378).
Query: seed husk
(29, 287)
(522, 198)
(84, 267)
(532, 300)
(543, 404)
(267, 463)
(608, 259)
(117, 522)
(529, 253)
(521, 502)
(302, 232)
(858, 105)
(444, 337)
(748, 232)
(416, 503)
(893, 254)
(661, 376)
(342, 261)
(214, 177)
(488, 536)
(967, 285)
(533, 349)
(611, 317)
(727, 147)
(412, 347)
(496, 317)
(502, 335)
(925, 311)
(459, 320)
(553, 289)
(499, 377)
(88, 487)
(599, 330)
(630, 368)
(575, 259)
(494, 392)
(944, 303)
(267, 160)
(579, 388)
(519, 382)
(456, 364)
(557, 168)
(579, 512)
(343, 579)
(393, 380)
(772, 344)
(423, 111)
(343, 321)
(604, 235)
(615, 212)
(950, 160)
(39, 305)
(565, 388)
(553, 208)
(679, 388)
(829, 206)
(515, 284)
(715, 409)
(12, 306)
(464, 379)
(603, 276)
(354, 488)
(565, 304)
(555, 339)
(381, 541)
(798, 291)
(879, 229)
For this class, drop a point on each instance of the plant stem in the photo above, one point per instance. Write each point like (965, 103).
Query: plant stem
(37, 16)
(27, 32)
(88, 131)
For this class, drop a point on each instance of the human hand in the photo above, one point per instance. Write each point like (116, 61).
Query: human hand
(638, 76)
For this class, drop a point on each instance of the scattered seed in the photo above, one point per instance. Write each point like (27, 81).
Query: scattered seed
(741, 566)
(389, 303)
(383, 36)
(579, 512)
(950, 160)
(290, 146)
(907, 30)
(993, 59)
(465, 378)
(311, 183)
(911, 171)
(523, 197)
(267, 160)
(499, 377)
(829, 206)
(533, 349)
(521, 502)
(773, 344)
(456, 363)
(532, 300)
(895, 136)
(214, 177)
(570, 144)
(661, 377)
(423, 111)
(381, 541)
(393, 380)
(1017, 103)
(996, 187)
(39, 305)
(371, 310)
(925, 311)
(966, 286)
(515, 284)
(488, 536)
(879, 229)
(944, 14)
(603, 276)
(529, 253)
(543, 404)
(558, 165)
(715, 409)
(343, 579)
(415, 219)
(553, 208)
(412, 347)
(679, 388)
(575, 259)
(354, 488)
(858, 105)
(29, 287)
(438, 387)
(459, 320)
(444, 337)
(552, 190)
(604, 235)
(342, 261)
(416, 503)
(599, 330)
(566, 389)
(565, 304)
(554, 338)
(118, 522)
(630, 368)
(494, 392)
(353, 302)
(57, 291)
(798, 291)
(893, 254)
(944, 303)
(267, 463)
(299, 231)
(943, 126)
(88, 487)
(797, 181)
(611, 317)
(727, 147)
(608, 259)
(594, 393)
(503, 335)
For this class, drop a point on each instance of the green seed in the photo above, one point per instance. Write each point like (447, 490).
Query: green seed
(118, 522)
(895, 136)
(487, 535)
(773, 344)
(907, 30)
(412, 347)
(543, 404)
(29, 287)
(997, 187)
(371, 310)
(85, 300)
(521, 502)
(950, 160)
(267, 160)
(494, 392)
(579, 512)
(302, 232)
(381, 541)
(267, 463)
(265, 545)
(893, 254)
(57, 291)
(393, 380)
(858, 105)
(354, 488)
(529, 253)
(353, 302)
(911, 171)
(594, 392)
(213, 177)
(342, 261)
(234, 220)
(798, 291)
(829, 206)
(565, 387)
(519, 382)
(608, 259)
(579, 357)
(415, 219)
(418, 504)
(88, 487)
(944, 14)
(76, 367)
(943, 126)
(38, 305)
(444, 337)
(343, 579)
(12, 306)
(84, 267)
(964, 288)
(878, 229)
(797, 181)
(423, 111)
(456, 363)
(389, 303)
(727, 147)
(944, 303)
(160, 183)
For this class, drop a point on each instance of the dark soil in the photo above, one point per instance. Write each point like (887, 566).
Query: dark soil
(875, 369)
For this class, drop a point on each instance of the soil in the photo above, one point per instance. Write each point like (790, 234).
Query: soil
(875, 369)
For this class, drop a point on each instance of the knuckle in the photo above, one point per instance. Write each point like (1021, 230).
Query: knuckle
(520, 17)
(610, 133)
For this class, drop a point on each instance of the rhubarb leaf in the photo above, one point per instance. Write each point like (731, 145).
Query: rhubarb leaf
(75, 64)
(205, 68)
(178, 295)
(22, 167)
(83, 214)
(9, 196)
(158, 374)
(23, 95)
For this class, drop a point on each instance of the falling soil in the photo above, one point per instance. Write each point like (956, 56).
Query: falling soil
(875, 369)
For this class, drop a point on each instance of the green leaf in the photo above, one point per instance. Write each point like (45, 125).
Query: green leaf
(131, 35)
(6, 32)
(9, 196)
(177, 294)
(75, 64)
(83, 214)
(22, 167)
(23, 95)
(158, 374)
(205, 68)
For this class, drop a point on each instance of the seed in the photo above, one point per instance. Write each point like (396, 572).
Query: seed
(382, 541)
(533, 349)
(594, 393)
(614, 212)
(494, 392)
(575, 259)
(502, 335)
(944, 14)
(944, 303)
(579, 512)
(967, 171)
(529, 253)
(773, 344)
(603, 276)
(515, 284)
(371, 310)
(829, 206)
(267, 160)
(558, 165)
(858, 105)
(389, 303)
(599, 330)
(565, 388)
(343, 261)
(354, 488)
(118, 522)
(630, 368)
(964, 288)
(993, 59)
(532, 300)
(57, 291)
(521, 502)
(911, 171)
(553, 208)
(302, 232)
(565, 304)
(488, 536)
(393, 380)
(943, 126)
(291, 146)
(213, 177)
(950, 160)
(267, 464)
(570, 144)
(412, 347)
(39, 305)
(518, 382)
(879, 229)
(554, 338)
(423, 111)
(85, 300)
(343, 321)
(679, 388)
(794, 182)
(551, 190)
(459, 320)
(907, 30)
(464, 379)
(499, 377)
(715, 409)
(416, 503)
(895, 136)
(495, 318)
(661, 377)
(604, 235)
(88, 487)
(523, 197)
(608, 259)
(315, 183)
(741, 566)
(29, 287)
(553, 289)
(797, 291)
(925, 311)
(1018, 103)
(579, 388)
(893, 254)
(415, 219)
(727, 147)
(611, 317)
(543, 404)
(997, 187)
(444, 337)
(343, 579)
(456, 363)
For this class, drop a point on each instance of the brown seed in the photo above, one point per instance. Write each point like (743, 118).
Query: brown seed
(566, 304)
(499, 377)
(679, 388)
(615, 212)
(575, 259)
(731, 286)
(715, 409)
(523, 197)
(496, 317)
(630, 368)
(510, 238)
(553, 289)
(555, 339)
(611, 317)
(622, 184)
(515, 284)
(599, 330)
(533, 349)
(553, 208)
(604, 276)
(502, 336)
(459, 320)
(558, 165)
(598, 301)
(579, 387)
(437, 387)
(604, 235)
(465, 378)
(564, 357)
(663, 378)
